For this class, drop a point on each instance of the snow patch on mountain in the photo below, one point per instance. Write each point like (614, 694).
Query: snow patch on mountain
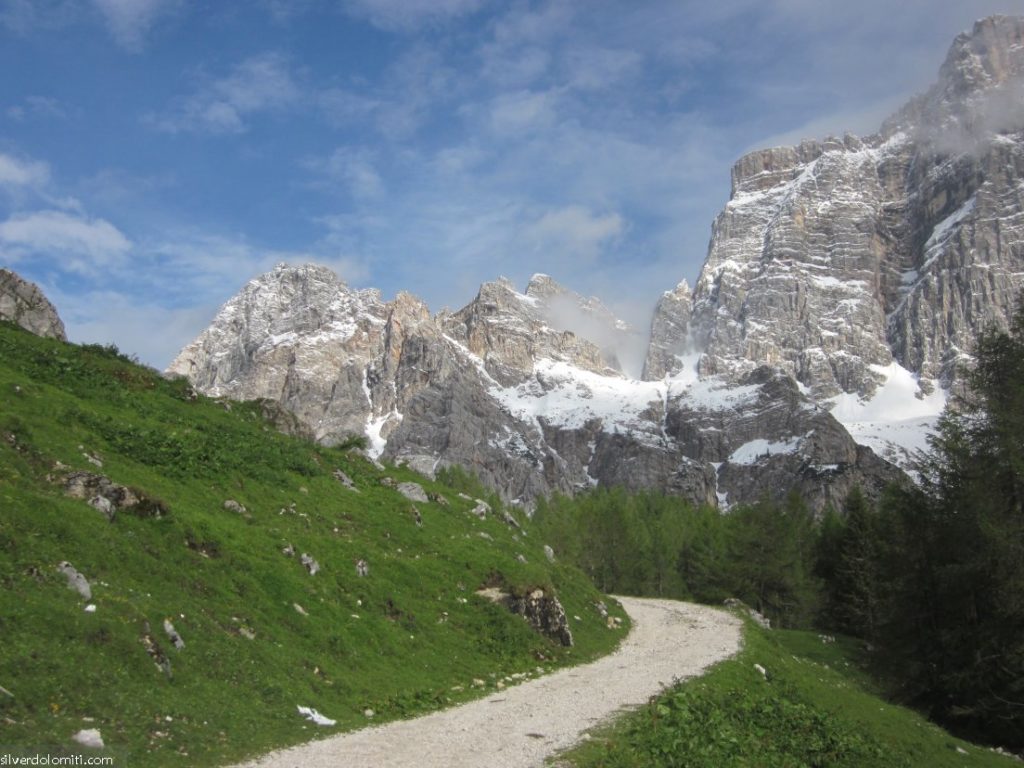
(897, 419)
(563, 395)
(750, 452)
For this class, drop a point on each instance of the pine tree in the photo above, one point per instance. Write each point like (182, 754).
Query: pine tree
(955, 622)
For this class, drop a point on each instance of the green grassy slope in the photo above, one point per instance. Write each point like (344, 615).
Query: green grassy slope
(409, 637)
(814, 706)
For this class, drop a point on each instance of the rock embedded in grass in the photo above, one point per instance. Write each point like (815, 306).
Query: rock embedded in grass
(413, 492)
(76, 580)
(89, 737)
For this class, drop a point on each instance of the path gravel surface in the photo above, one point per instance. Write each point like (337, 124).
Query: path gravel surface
(525, 724)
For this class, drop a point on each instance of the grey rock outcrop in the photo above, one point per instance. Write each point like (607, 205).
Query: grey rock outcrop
(670, 333)
(76, 580)
(108, 497)
(542, 611)
(22, 303)
(412, 491)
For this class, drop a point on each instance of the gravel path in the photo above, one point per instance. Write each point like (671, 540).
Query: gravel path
(525, 724)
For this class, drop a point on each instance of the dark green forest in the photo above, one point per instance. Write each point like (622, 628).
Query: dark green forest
(930, 578)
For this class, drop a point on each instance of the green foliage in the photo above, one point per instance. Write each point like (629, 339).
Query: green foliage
(815, 707)
(771, 559)
(850, 552)
(408, 638)
(656, 545)
(935, 577)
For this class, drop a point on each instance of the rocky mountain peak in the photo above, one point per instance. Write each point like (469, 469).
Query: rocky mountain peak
(991, 54)
(979, 89)
(22, 303)
(541, 287)
(865, 268)
(510, 331)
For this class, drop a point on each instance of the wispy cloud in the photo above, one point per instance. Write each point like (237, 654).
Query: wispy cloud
(258, 84)
(575, 231)
(354, 169)
(15, 172)
(37, 107)
(130, 21)
(77, 243)
(408, 15)
(521, 111)
(27, 16)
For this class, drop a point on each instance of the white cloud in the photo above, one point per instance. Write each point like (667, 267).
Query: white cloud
(154, 333)
(345, 107)
(355, 169)
(130, 21)
(22, 173)
(37, 106)
(82, 244)
(27, 16)
(408, 15)
(261, 83)
(522, 111)
(594, 68)
(575, 230)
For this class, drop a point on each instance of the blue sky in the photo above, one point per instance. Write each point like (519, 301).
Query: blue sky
(157, 154)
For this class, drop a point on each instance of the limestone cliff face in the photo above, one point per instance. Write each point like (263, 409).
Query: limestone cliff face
(670, 339)
(834, 259)
(22, 302)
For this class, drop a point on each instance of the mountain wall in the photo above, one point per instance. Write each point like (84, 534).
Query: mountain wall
(845, 282)
(865, 268)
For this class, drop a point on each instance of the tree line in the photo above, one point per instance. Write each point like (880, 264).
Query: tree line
(931, 577)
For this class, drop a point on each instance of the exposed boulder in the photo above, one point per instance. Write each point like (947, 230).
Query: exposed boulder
(89, 737)
(345, 480)
(22, 303)
(76, 580)
(760, 619)
(108, 497)
(311, 565)
(542, 611)
(173, 635)
(412, 491)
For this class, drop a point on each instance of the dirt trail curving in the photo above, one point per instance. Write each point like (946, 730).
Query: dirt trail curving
(525, 724)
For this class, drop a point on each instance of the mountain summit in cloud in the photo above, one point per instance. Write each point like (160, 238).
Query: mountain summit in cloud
(845, 282)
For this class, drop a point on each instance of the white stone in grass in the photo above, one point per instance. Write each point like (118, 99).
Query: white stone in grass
(90, 608)
(762, 670)
(311, 565)
(173, 635)
(311, 714)
(89, 737)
